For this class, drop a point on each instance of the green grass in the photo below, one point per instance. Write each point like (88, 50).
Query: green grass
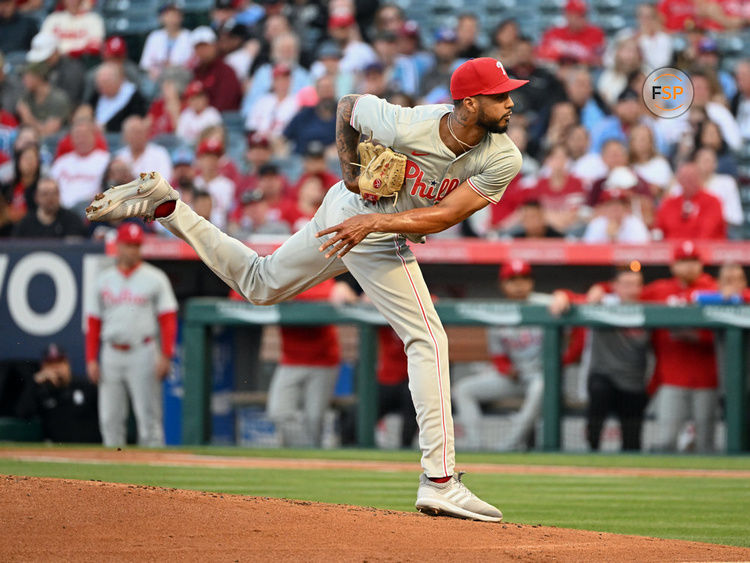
(713, 510)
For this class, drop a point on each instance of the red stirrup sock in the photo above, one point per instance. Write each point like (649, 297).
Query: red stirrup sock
(164, 209)
(440, 479)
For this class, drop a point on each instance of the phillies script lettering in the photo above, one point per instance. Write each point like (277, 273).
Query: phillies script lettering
(124, 297)
(428, 190)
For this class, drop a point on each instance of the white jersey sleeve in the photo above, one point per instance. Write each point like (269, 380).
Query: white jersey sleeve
(495, 345)
(491, 181)
(374, 117)
(165, 299)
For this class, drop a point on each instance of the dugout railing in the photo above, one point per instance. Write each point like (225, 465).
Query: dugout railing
(202, 313)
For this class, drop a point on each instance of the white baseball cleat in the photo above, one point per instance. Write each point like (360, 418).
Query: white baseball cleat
(453, 498)
(138, 198)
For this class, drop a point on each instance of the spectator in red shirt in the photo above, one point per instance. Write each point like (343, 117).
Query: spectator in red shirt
(560, 193)
(578, 41)
(695, 214)
(685, 366)
(309, 197)
(223, 88)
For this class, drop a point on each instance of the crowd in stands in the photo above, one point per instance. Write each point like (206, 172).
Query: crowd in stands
(240, 113)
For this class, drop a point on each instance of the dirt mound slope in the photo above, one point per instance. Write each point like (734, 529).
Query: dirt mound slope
(58, 519)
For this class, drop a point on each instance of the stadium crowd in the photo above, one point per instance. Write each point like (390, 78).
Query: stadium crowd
(240, 113)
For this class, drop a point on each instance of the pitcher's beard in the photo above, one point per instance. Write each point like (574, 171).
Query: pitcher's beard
(492, 126)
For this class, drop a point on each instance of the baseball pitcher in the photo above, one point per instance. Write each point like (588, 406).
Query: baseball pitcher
(438, 165)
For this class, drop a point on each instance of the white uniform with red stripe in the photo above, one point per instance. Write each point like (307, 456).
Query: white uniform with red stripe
(382, 263)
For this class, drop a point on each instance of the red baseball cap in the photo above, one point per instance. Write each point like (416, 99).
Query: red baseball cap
(115, 48)
(576, 7)
(130, 233)
(194, 88)
(687, 250)
(514, 269)
(482, 76)
(614, 194)
(210, 145)
(341, 20)
(281, 69)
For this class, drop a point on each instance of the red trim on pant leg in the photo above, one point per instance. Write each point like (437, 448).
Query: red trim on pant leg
(437, 356)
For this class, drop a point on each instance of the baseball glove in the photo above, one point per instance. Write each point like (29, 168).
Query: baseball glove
(382, 171)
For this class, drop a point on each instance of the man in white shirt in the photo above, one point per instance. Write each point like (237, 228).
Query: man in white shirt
(211, 180)
(273, 111)
(79, 173)
(139, 153)
(357, 54)
(197, 115)
(615, 222)
(168, 46)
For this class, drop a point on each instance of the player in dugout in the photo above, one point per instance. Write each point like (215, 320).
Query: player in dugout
(434, 166)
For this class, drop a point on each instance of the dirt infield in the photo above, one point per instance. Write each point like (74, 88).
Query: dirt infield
(56, 519)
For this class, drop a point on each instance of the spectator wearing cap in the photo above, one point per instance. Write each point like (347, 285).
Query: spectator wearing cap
(130, 338)
(79, 172)
(221, 188)
(314, 162)
(18, 29)
(685, 372)
(284, 53)
(357, 54)
(444, 61)
(198, 114)
(273, 111)
(315, 123)
(255, 216)
(740, 103)
(42, 106)
(578, 40)
(139, 153)
(628, 112)
(114, 50)
(167, 46)
(614, 221)
(115, 98)
(183, 171)
(467, 30)
(65, 72)
(695, 213)
(237, 50)
(543, 88)
(560, 194)
(257, 155)
(65, 404)
(327, 63)
(49, 220)
(722, 186)
(78, 30)
(221, 84)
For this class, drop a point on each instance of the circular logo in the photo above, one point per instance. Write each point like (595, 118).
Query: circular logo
(376, 183)
(668, 92)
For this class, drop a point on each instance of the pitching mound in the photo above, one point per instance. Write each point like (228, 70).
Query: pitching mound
(55, 519)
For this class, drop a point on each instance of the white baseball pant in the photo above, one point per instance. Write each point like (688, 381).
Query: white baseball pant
(387, 271)
(300, 390)
(470, 392)
(675, 406)
(130, 375)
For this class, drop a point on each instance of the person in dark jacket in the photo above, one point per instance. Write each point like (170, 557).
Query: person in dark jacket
(50, 219)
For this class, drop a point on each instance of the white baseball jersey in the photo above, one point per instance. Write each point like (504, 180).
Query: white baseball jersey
(79, 177)
(129, 304)
(521, 344)
(432, 169)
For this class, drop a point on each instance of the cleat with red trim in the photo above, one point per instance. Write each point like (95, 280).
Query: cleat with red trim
(139, 198)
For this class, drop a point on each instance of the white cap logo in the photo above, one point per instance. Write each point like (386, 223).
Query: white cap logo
(502, 69)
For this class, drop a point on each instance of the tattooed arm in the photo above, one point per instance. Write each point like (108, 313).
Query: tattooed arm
(347, 138)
